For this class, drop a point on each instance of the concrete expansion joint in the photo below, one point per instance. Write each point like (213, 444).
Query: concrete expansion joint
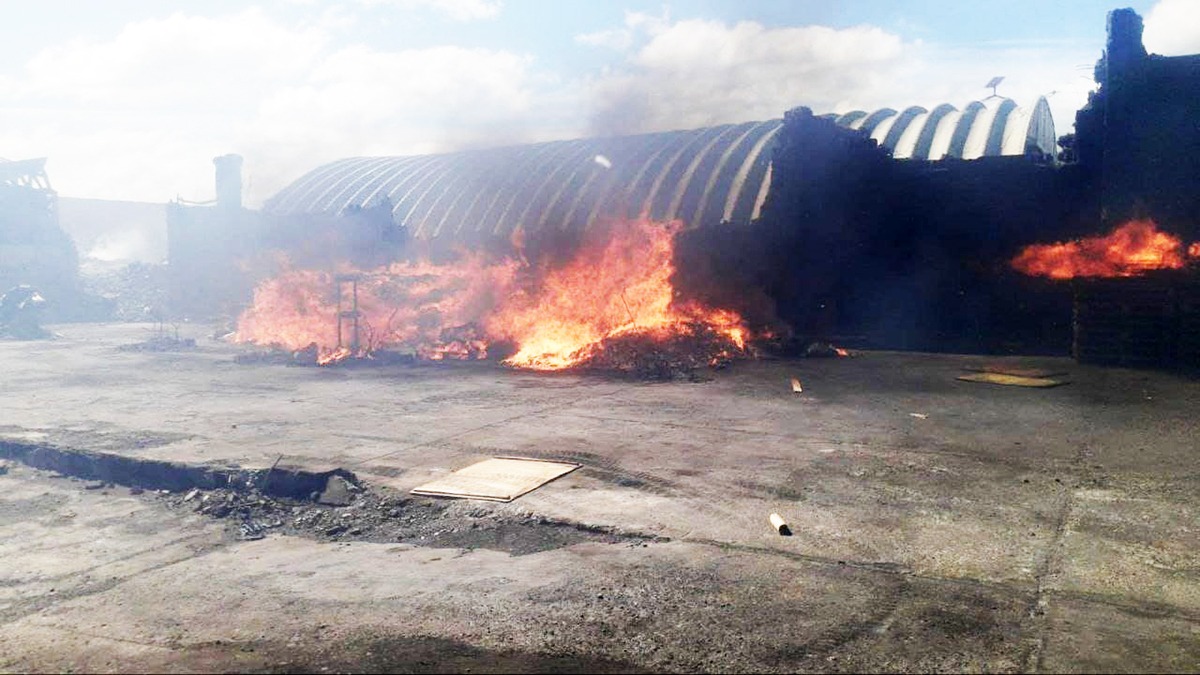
(1052, 562)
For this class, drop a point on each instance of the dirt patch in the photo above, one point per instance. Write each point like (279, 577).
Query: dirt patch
(387, 654)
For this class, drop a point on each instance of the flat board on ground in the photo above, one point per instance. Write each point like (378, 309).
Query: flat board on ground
(500, 479)
(1011, 380)
(1018, 371)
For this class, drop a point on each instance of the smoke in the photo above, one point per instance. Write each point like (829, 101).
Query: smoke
(696, 73)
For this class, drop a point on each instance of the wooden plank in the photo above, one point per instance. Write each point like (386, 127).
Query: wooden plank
(1011, 380)
(499, 479)
(1018, 371)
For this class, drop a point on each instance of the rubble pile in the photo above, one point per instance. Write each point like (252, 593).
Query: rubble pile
(135, 291)
(20, 314)
(345, 511)
(680, 355)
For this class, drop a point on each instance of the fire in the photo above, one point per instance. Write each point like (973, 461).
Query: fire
(620, 288)
(609, 296)
(1133, 248)
(420, 306)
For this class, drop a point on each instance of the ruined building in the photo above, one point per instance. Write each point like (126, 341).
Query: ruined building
(34, 250)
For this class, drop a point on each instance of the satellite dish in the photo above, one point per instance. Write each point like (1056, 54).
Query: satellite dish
(993, 83)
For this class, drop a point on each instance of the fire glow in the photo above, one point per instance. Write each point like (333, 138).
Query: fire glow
(1133, 248)
(610, 294)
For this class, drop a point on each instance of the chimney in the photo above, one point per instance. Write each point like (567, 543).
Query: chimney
(1124, 47)
(229, 181)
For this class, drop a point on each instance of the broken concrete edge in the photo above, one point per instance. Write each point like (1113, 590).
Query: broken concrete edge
(153, 474)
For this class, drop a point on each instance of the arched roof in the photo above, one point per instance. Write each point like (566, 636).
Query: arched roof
(989, 128)
(700, 176)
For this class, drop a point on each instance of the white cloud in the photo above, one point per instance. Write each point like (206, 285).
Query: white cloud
(459, 10)
(177, 61)
(621, 39)
(364, 102)
(1173, 28)
(696, 73)
(139, 116)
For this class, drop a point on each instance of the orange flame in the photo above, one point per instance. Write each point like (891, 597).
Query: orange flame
(1133, 248)
(414, 305)
(621, 287)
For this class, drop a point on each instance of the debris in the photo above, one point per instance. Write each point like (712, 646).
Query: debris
(337, 492)
(920, 416)
(796, 386)
(3, 468)
(192, 495)
(500, 479)
(20, 311)
(1011, 380)
(649, 356)
(780, 525)
(251, 531)
(262, 486)
(96, 485)
(824, 350)
(160, 343)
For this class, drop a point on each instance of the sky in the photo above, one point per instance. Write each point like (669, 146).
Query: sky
(131, 99)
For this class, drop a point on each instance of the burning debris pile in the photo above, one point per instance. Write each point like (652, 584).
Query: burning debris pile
(611, 306)
(1134, 248)
(1136, 295)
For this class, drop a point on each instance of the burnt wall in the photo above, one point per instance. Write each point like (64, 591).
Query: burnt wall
(1151, 160)
(855, 246)
(1139, 135)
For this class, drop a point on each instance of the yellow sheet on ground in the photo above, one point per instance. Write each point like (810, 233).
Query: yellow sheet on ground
(500, 479)
(1019, 371)
(1011, 380)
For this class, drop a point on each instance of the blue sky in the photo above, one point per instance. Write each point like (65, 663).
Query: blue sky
(131, 99)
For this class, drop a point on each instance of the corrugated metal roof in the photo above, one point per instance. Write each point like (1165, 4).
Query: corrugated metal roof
(700, 176)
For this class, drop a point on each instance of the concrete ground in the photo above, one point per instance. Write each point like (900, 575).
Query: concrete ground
(938, 524)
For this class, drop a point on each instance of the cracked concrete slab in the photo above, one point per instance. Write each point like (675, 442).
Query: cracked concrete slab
(1005, 530)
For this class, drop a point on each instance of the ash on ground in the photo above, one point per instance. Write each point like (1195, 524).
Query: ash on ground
(163, 339)
(381, 516)
(310, 357)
